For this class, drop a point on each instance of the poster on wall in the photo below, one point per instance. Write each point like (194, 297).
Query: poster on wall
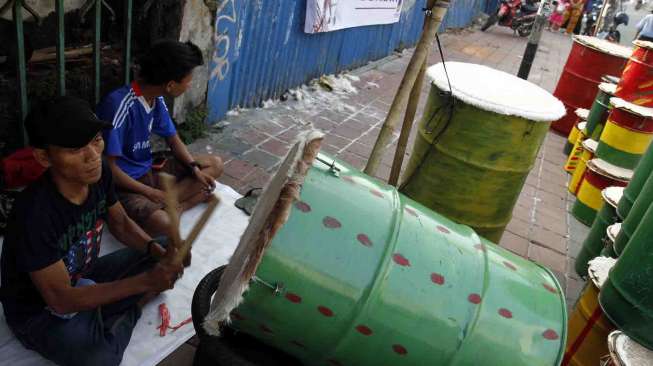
(330, 15)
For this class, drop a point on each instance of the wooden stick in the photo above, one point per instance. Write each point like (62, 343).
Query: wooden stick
(201, 222)
(172, 202)
(183, 246)
(406, 127)
(41, 56)
(433, 22)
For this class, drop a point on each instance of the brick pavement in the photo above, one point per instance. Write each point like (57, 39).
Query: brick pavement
(252, 142)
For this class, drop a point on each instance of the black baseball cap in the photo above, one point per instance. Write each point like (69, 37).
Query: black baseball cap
(63, 121)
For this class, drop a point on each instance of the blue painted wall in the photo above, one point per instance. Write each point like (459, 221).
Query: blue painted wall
(261, 49)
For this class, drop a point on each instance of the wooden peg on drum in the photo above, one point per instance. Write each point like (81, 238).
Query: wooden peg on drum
(172, 202)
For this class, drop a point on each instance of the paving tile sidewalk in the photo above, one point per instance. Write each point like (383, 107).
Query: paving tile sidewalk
(252, 142)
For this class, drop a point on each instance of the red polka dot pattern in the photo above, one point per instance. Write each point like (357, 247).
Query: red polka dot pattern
(293, 298)
(348, 179)
(331, 222)
(474, 298)
(303, 206)
(364, 239)
(400, 260)
(325, 311)
(377, 193)
(437, 278)
(550, 288)
(399, 349)
(509, 265)
(362, 329)
(443, 229)
(411, 211)
(505, 313)
(550, 334)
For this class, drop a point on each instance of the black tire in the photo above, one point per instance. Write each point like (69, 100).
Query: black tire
(232, 348)
(524, 31)
(489, 22)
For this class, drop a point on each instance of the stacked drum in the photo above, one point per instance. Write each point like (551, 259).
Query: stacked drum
(590, 58)
(617, 182)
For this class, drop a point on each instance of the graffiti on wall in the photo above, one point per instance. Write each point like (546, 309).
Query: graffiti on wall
(224, 21)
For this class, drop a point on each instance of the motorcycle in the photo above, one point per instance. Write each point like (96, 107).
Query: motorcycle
(591, 17)
(613, 34)
(514, 14)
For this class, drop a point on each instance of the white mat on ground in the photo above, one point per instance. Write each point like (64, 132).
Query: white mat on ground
(213, 248)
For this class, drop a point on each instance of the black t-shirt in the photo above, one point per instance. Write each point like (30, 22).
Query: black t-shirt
(44, 227)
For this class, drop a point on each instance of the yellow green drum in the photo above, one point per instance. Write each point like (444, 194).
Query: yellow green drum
(598, 176)
(587, 153)
(582, 114)
(475, 147)
(588, 326)
(576, 151)
(600, 110)
(626, 135)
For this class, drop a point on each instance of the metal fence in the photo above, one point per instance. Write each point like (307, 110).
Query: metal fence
(21, 77)
(261, 49)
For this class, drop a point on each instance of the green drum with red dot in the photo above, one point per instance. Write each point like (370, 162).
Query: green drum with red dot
(362, 275)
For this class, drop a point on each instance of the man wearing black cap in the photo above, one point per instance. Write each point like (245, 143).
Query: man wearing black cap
(59, 298)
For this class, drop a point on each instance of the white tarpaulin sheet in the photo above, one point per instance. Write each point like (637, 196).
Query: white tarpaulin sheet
(213, 248)
(330, 15)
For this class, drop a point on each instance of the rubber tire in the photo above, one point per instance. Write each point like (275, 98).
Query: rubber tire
(489, 22)
(524, 32)
(231, 348)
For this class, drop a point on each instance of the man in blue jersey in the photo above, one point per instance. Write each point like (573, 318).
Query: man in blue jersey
(136, 111)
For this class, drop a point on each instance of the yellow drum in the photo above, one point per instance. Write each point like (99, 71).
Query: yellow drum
(587, 154)
(577, 149)
(588, 326)
(582, 114)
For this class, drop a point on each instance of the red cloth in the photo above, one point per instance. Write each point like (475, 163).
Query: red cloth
(20, 169)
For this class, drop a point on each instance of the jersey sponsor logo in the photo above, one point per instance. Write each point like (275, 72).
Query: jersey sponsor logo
(141, 145)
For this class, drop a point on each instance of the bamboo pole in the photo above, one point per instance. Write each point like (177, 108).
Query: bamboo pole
(409, 118)
(435, 14)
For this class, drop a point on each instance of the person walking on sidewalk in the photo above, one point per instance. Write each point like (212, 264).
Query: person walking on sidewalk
(136, 111)
(59, 298)
(645, 28)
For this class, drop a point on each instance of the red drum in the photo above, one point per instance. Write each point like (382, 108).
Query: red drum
(590, 58)
(636, 85)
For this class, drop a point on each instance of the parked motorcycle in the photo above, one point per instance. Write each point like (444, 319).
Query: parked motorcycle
(591, 17)
(515, 14)
(613, 34)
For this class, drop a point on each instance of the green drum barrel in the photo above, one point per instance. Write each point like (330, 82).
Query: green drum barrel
(627, 295)
(600, 110)
(632, 221)
(474, 150)
(595, 241)
(362, 275)
(642, 172)
(611, 234)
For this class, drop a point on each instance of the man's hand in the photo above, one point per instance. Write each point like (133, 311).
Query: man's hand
(206, 180)
(155, 195)
(163, 276)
